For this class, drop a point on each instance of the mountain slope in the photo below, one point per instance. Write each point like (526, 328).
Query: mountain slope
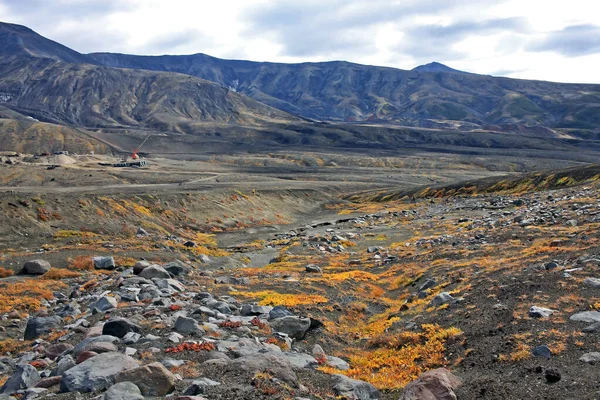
(342, 91)
(52, 83)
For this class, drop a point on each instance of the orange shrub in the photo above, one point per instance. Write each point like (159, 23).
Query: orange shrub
(4, 272)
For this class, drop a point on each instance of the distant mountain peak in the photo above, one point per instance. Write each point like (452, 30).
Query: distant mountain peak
(21, 40)
(436, 67)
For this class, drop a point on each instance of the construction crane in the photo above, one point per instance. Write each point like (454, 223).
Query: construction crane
(135, 155)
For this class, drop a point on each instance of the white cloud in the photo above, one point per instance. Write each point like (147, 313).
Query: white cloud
(517, 38)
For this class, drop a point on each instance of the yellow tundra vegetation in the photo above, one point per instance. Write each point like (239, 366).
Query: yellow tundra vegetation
(271, 298)
(396, 360)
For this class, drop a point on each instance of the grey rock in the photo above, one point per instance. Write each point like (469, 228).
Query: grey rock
(540, 312)
(301, 360)
(188, 326)
(25, 376)
(149, 292)
(251, 309)
(85, 342)
(428, 284)
(41, 325)
(593, 328)
(354, 389)
(140, 266)
(590, 358)
(119, 327)
(592, 282)
(170, 284)
(313, 269)
(295, 327)
(104, 304)
(152, 379)
(53, 351)
(36, 267)
(586, 316)
(64, 363)
(107, 263)
(123, 391)
(155, 271)
(442, 298)
(542, 351)
(277, 364)
(337, 362)
(131, 338)
(279, 312)
(96, 373)
(199, 386)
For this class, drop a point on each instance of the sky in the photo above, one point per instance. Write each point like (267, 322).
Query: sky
(530, 39)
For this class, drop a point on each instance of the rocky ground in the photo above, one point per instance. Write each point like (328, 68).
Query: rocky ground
(502, 289)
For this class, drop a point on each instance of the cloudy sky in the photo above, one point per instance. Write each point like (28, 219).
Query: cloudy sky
(533, 39)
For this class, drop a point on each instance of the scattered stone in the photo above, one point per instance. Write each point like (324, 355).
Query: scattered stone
(277, 364)
(36, 267)
(593, 328)
(99, 347)
(295, 327)
(251, 309)
(313, 268)
(85, 355)
(188, 326)
(107, 263)
(592, 282)
(552, 375)
(104, 304)
(199, 386)
(428, 284)
(96, 373)
(586, 316)
(354, 389)
(85, 342)
(39, 326)
(436, 384)
(119, 327)
(55, 350)
(24, 377)
(590, 358)
(540, 312)
(123, 391)
(47, 383)
(140, 266)
(152, 379)
(155, 271)
(542, 351)
(279, 312)
(442, 298)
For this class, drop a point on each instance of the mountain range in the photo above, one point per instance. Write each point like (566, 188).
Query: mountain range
(193, 94)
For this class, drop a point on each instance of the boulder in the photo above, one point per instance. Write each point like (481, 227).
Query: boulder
(119, 327)
(155, 271)
(437, 384)
(353, 389)
(311, 268)
(100, 347)
(24, 377)
(123, 391)
(107, 263)
(294, 327)
(96, 373)
(36, 267)
(64, 363)
(149, 292)
(41, 325)
(152, 379)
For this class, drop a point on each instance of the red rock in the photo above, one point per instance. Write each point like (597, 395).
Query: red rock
(438, 384)
(56, 350)
(84, 355)
(48, 382)
(94, 331)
